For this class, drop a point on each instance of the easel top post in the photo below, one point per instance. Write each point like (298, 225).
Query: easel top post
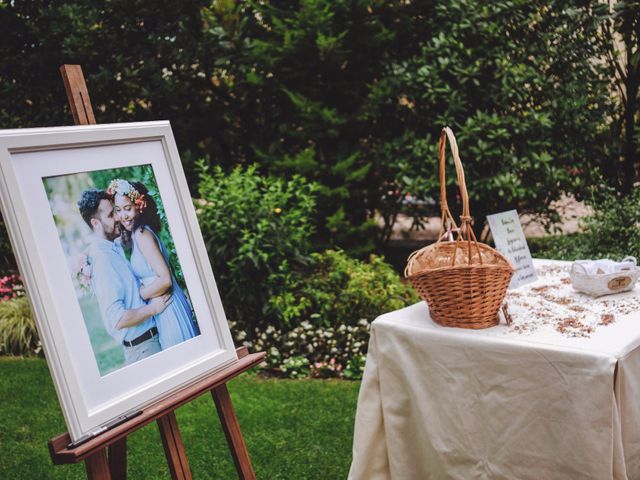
(78, 95)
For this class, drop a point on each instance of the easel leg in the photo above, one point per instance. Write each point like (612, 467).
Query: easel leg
(118, 459)
(97, 466)
(173, 447)
(232, 431)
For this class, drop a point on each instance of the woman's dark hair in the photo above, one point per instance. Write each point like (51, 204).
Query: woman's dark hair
(148, 216)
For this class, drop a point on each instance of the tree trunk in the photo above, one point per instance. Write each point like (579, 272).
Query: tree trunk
(629, 149)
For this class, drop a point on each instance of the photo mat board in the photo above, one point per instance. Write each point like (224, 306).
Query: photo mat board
(77, 240)
(90, 289)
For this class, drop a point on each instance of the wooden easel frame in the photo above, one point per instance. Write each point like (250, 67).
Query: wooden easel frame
(105, 456)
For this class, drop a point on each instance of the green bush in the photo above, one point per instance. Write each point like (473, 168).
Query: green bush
(614, 227)
(346, 290)
(278, 296)
(612, 231)
(559, 247)
(340, 290)
(18, 334)
(256, 230)
(325, 314)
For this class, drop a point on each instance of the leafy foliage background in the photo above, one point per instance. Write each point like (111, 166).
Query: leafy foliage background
(349, 94)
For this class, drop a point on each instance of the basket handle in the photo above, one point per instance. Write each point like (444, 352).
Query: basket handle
(630, 259)
(578, 265)
(466, 231)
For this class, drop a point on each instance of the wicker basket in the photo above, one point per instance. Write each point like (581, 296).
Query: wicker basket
(463, 281)
(599, 284)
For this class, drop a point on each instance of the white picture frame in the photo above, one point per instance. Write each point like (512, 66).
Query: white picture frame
(91, 399)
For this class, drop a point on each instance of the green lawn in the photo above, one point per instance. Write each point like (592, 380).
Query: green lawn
(300, 429)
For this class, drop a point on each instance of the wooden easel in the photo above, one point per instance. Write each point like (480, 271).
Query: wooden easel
(101, 465)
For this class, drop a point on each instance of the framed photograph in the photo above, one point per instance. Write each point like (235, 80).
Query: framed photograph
(106, 237)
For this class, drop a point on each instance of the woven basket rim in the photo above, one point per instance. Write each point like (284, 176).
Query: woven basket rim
(456, 244)
(505, 265)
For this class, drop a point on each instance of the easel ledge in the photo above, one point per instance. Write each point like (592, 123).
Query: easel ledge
(60, 454)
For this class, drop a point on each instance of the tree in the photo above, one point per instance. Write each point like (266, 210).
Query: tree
(141, 62)
(302, 73)
(621, 35)
(352, 94)
(518, 84)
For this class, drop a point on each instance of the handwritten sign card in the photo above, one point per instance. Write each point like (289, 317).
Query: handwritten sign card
(510, 242)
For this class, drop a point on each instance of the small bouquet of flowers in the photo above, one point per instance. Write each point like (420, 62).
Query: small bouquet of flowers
(80, 266)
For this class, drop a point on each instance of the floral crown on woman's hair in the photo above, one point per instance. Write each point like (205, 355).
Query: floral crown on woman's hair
(123, 187)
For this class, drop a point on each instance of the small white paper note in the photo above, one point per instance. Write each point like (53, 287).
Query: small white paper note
(510, 241)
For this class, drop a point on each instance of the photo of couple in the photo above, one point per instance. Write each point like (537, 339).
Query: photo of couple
(123, 263)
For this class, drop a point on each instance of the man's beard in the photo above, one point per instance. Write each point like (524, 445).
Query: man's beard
(111, 234)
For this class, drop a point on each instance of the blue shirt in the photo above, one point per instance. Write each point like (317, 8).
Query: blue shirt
(116, 288)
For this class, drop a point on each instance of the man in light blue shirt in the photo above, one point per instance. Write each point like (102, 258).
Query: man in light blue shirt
(126, 316)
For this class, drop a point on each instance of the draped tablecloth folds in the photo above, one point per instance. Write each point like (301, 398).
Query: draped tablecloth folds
(554, 395)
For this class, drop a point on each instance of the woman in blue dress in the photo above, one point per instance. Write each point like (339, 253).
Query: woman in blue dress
(140, 223)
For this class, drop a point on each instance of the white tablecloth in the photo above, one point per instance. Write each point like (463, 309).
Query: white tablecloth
(439, 402)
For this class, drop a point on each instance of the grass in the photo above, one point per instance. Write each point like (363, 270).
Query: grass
(300, 429)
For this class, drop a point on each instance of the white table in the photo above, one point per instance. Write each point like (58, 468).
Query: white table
(525, 401)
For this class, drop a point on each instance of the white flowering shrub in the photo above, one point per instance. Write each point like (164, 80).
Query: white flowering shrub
(324, 316)
(296, 367)
(311, 351)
